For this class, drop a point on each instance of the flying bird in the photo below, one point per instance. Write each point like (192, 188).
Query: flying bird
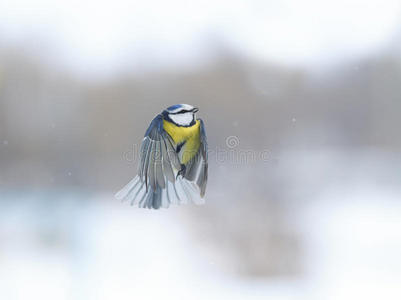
(173, 165)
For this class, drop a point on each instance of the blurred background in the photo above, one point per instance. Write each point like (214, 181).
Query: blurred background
(301, 101)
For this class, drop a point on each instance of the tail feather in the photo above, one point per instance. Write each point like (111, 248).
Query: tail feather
(180, 192)
(126, 190)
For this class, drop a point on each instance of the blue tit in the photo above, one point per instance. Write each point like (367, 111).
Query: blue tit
(173, 163)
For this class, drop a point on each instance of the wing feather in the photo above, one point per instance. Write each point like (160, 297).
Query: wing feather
(167, 168)
(159, 167)
(151, 167)
(158, 160)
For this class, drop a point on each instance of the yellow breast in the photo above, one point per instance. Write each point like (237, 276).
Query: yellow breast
(189, 135)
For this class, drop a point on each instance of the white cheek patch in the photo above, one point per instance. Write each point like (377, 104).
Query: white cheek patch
(182, 119)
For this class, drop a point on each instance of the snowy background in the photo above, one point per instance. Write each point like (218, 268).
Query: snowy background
(302, 103)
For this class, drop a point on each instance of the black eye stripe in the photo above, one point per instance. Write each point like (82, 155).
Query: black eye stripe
(182, 112)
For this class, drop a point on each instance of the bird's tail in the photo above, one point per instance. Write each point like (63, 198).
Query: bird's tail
(180, 192)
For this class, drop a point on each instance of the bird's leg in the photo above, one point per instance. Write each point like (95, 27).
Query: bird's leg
(182, 171)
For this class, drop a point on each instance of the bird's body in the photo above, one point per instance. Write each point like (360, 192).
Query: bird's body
(173, 161)
(187, 136)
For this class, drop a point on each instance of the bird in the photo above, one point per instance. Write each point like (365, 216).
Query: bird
(173, 161)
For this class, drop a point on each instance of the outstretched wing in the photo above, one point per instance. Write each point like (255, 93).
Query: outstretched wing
(157, 183)
(158, 158)
(197, 168)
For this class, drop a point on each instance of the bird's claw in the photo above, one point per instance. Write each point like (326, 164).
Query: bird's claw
(182, 171)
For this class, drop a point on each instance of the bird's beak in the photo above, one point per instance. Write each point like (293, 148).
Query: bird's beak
(195, 110)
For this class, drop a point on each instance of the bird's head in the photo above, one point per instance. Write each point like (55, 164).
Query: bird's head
(181, 114)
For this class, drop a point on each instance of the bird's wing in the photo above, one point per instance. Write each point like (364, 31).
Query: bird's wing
(157, 169)
(197, 168)
(157, 156)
